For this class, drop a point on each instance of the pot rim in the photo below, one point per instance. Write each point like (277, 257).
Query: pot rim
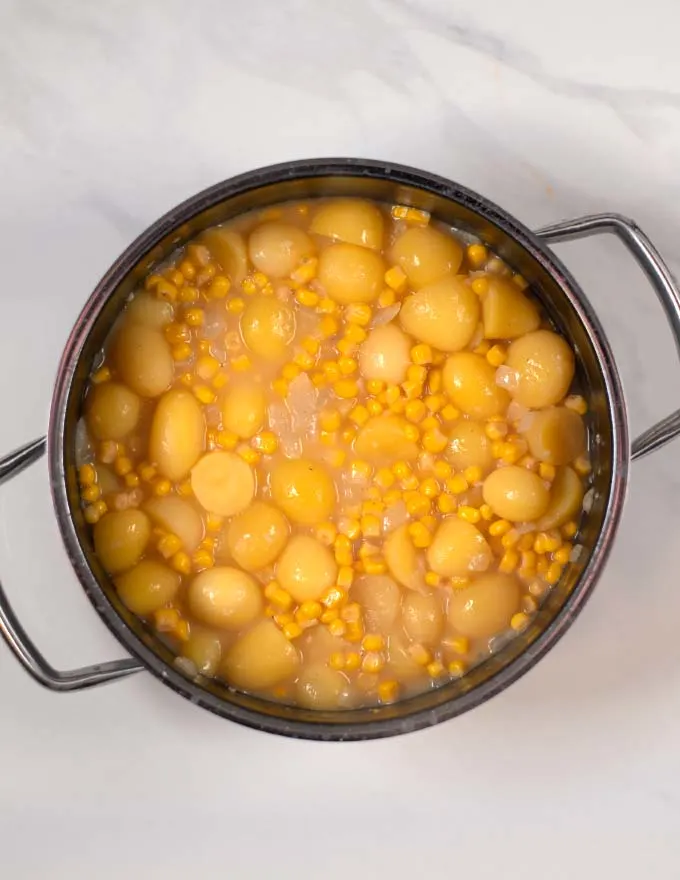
(429, 183)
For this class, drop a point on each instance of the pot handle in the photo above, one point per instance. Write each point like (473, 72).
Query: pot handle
(659, 275)
(15, 635)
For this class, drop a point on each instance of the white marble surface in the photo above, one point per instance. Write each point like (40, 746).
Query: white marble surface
(110, 113)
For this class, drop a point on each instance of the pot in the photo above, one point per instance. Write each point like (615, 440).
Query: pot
(564, 302)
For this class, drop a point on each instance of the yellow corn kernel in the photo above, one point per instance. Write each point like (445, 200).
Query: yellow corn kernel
(307, 297)
(577, 403)
(415, 410)
(188, 270)
(392, 496)
(280, 386)
(87, 475)
(372, 642)
(371, 526)
(304, 360)
(181, 352)
(496, 355)
(292, 630)
(214, 523)
(337, 660)
(563, 555)
(395, 278)
(355, 333)
(421, 354)
(204, 394)
(417, 373)
(432, 579)
(411, 215)
(388, 691)
(449, 413)
(346, 388)
(486, 512)
(91, 514)
(326, 533)
(375, 386)
(358, 414)
(166, 619)
(399, 405)
(306, 271)
(582, 466)
(90, 494)
(510, 538)
(267, 442)
(496, 429)
(182, 630)
(176, 333)
(526, 542)
(282, 620)
(410, 483)
(194, 317)
(189, 294)
(384, 478)
(442, 469)
(509, 561)
(219, 381)
(168, 545)
(546, 471)
(207, 367)
(329, 615)
(420, 655)
(202, 559)
(457, 484)
(334, 597)
(352, 661)
(519, 621)
(336, 457)
(329, 421)
(374, 407)
(227, 440)
(162, 487)
(552, 541)
(435, 669)
(345, 577)
(542, 565)
(236, 305)
(348, 434)
(347, 365)
(420, 535)
(343, 550)
(456, 668)
(401, 470)
(103, 374)
(251, 456)
(529, 560)
(430, 423)
(374, 565)
(219, 287)
(458, 644)
(310, 610)
(430, 488)
(361, 471)
(187, 379)
(469, 514)
(337, 627)
(181, 562)
(166, 290)
(477, 255)
(358, 313)
(446, 503)
(434, 441)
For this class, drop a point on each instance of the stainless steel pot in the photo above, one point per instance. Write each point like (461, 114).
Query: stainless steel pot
(563, 300)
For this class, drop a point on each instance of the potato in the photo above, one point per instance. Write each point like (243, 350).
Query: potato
(223, 483)
(317, 644)
(147, 587)
(385, 354)
(228, 248)
(380, 599)
(179, 517)
(383, 439)
(350, 220)
(260, 659)
(544, 365)
(556, 435)
(225, 597)
(422, 617)
(268, 327)
(143, 359)
(306, 568)
(204, 649)
(177, 436)
(457, 549)
(402, 559)
(400, 664)
(470, 381)
(303, 490)
(485, 607)
(469, 447)
(319, 687)
(147, 309)
(516, 493)
(350, 273)
(566, 499)
(243, 409)
(443, 314)
(278, 248)
(112, 411)
(507, 312)
(257, 536)
(120, 538)
(426, 255)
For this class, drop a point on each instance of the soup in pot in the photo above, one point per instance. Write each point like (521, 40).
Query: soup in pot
(332, 453)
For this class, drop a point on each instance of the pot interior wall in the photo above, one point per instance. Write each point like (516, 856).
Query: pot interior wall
(447, 203)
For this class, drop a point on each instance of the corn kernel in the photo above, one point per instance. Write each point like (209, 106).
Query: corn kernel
(496, 430)
(181, 352)
(169, 545)
(181, 562)
(359, 415)
(486, 512)
(328, 306)
(352, 661)
(374, 565)
(329, 615)
(355, 333)
(227, 439)
(432, 579)
(204, 394)
(469, 514)
(372, 642)
(496, 355)
(577, 403)
(194, 317)
(292, 630)
(582, 466)
(92, 515)
(434, 441)
(477, 255)
(375, 386)
(446, 503)
(310, 610)
(346, 388)
(251, 456)
(458, 644)
(563, 555)
(415, 410)
(442, 469)
(519, 621)
(554, 573)
(510, 538)
(87, 475)
(280, 386)
(421, 354)
(166, 619)
(480, 286)
(430, 488)
(306, 271)
(103, 374)
(219, 287)
(412, 216)
(326, 533)
(395, 278)
(359, 313)
(416, 373)
(509, 561)
(337, 627)
(449, 413)
(457, 484)
(388, 691)
(420, 655)
(202, 559)
(435, 669)
(456, 668)
(546, 471)
(90, 494)
(162, 487)
(343, 550)
(337, 660)
(529, 560)
(420, 535)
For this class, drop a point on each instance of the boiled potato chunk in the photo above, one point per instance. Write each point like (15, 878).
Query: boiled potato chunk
(380, 598)
(177, 436)
(225, 597)
(112, 411)
(458, 548)
(516, 493)
(566, 498)
(443, 314)
(422, 616)
(470, 381)
(204, 649)
(306, 568)
(243, 409)
(485, 607)
(507, 312)
(303, 490)
(120, 538)
(278, 248)
(228, 248)
(469, 446)
(401, 664)
(556, 435)
(426, 255)
(260, 659)
(402, 559)
(319, 687)
(544, 365)
(350, 220)
(179, 517)
(385, 354)
(350, 273)
(223, 483)
(268, 327)
(317, 644)
(384, 439)
(257, 536)
(149, 310)
(143, 359)
(147, 587)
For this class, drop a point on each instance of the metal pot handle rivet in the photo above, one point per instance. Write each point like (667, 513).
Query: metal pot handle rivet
(660, 277)
(15, 635)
